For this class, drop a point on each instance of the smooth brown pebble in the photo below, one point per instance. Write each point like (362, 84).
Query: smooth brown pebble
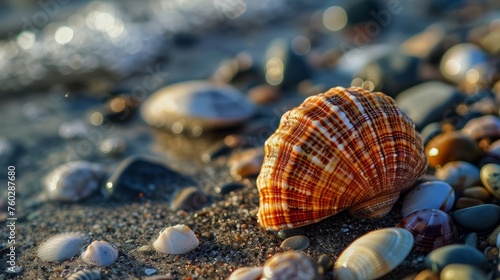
(426, 274)
(451, 146)
(477, 192)
(263, 94)
(466, 202)
(462, 272)
(298, 243)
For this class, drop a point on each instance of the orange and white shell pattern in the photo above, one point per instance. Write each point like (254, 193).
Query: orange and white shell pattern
(343, 149)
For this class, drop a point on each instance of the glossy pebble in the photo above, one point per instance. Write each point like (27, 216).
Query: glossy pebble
(298, 243)
(455, 254)
(478, 218)
(196, 105)
(451, 146)
(483, 127)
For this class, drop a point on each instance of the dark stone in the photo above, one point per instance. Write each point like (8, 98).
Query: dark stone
(283, 67)
(286, 233)
(429, 102)
(188, 199)
(142, 176)
(392, 73)
(230, 187)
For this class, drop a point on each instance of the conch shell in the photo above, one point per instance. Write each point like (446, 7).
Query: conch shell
(343, 149)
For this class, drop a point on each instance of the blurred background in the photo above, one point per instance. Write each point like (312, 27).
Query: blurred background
(69, 68)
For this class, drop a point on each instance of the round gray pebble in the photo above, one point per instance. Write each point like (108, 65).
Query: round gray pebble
(298, 243)
(285, 233)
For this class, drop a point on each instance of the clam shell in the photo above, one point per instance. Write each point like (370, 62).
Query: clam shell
(196, 105)
(431, 229)
(61, 247)
(344, 149)
(290, 265)
(85, 275)
(178, 239)
(73, 181)
(374, 254)
(99, 253)
(428, 195)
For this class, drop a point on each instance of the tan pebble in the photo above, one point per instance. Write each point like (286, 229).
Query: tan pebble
(466, 202)
(492, 238)
(426, 274)
(477, 192)
(264, 94)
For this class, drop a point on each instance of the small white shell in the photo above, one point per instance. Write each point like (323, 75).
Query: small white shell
(429, 195)
(73, 181)
(178, 239)
(85, 275)
(374, 254)
(61, 247)
(246, 273)
(99, 253)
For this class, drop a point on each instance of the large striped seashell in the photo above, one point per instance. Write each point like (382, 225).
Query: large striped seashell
(343, 149)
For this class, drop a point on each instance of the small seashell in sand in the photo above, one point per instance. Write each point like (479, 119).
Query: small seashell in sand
(178, 239)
